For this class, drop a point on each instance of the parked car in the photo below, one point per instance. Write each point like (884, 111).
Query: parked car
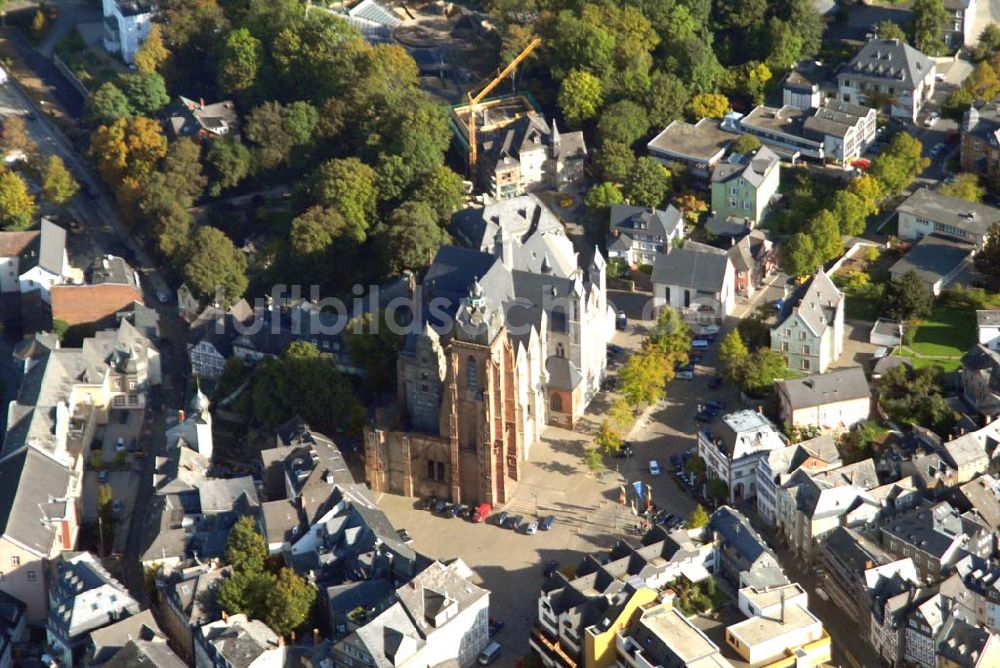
(481, 512)
(103, 475)
(496, 626)
(654, 467)
(550, 568)
(702, 416)
(502, 518)
(117, 507)
(931, 119)
(715, 382)
(547, 522)
(621, 321)
(531, 528)
(490, 654)
(162, 296)
(710, 330)
(514, 522)
(716, 405)
(440, 507)
(685, 374)
(615, 349)
(459, 510)
(120, 445)
(624, 451)
(404, 536)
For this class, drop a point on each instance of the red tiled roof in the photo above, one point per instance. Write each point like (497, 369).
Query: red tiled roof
(13, 244)
(76, 304)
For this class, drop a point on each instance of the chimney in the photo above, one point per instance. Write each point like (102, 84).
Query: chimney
(225, 616)
(281, 641)
(180, 416)
(760, 409)
(201, 101)
(869, 564)
(293, 637)
(315, 637)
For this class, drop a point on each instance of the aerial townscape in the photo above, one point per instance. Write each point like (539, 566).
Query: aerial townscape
(524, 333)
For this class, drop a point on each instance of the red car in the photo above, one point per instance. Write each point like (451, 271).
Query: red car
(481, 512)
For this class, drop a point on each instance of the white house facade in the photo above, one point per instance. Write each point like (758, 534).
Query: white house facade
(126, 25)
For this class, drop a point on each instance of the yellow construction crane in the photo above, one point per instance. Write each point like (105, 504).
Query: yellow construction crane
(474, 101)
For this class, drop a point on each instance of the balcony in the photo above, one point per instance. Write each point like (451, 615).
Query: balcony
(550, 649)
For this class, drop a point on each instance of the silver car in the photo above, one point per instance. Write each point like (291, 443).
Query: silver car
(531, 528)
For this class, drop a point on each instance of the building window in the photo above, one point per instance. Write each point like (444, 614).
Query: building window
(784, 346)
(435, 471)
(805, 365)
(560, 350)
(132, 383)
(802, 336)
(746, 206)
(732, 204)
(788, 333)
(471, 378)
(15, 561)
(31, 576)
(805, 350)
(117, 383)
(556, 403)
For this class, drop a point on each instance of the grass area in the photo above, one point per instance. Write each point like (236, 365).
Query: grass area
(948, 332)
(950, 364)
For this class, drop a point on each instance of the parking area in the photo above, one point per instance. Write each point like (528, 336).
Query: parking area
(121, 455)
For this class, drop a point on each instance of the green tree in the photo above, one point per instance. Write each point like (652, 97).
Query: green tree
(593, 459)
(786, 46)
(246, 549)
(824, 229)
(443, 190)
(215, 265)
(349, 186)
(303, 381)
(276, 130)
(580, 97)
(600, 198)
(152, 54)
(799, 255)
(58, 184)
(907, 297)
(746, 144)
(245, 593)
(642, 379)
(145, 91)
(240, 62)
(733, 356)
(230, 162)
(666, 99)
(288, 602)
(989, 42)
(696, 465)
(698, 518)
(17, 206)
(107, 104)
(182, 172)
(965, 186)
(299, 120)
(312, 235)
(763, 367)
(699, 67)
(757, 75)
(580, 44)
(897, 166)
(957, 103)
(647, 183)
(613, 161)
(709, 105)
(987, 260)
(412, 237)
(718, 490)
(929, 19)
(371, 343)
(624, 121)
(869, 190)
(888, 29)
(621, 415)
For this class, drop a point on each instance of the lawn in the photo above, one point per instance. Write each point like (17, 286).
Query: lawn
(948, 332)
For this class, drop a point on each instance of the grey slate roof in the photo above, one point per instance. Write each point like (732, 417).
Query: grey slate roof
(826, 388)
(940, 208)
(455, 269)
(84, 597)
(563, 374)
(113, 270)
(28, 482)
(626, 219)
(240, 641)
(152, 653)
(519, 217)
(52, 246)
(933, 258)
(110, 640)
(753, 169)
(734, 529)
(694, 266)
(889, 59)
(816, 303)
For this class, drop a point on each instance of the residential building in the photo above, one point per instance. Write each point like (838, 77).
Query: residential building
(980, 495)
(200, 121)
(988, 328)
(741, 553)
(781, 130)
(13, 628)
(210, 337)
(893, 69)
(936, 261)
(936, 537)
(964, 645)
(746, 185)
(893, 599)
(439, 617)
(49, 265)
(832, 131)
(236, 640)
(661, 635)
(959, 29)
(815, 455)
(980, 152)
(17, 250)
(699, 146)
(529, 154)
(754, 258)
(979, 380)
(924, 622)
(930, 212)
(187, 601)
(975, 585)
(110, 286)
(638, 233)
(106, 642)
(835, 400)
(734, 447)
(138, 652)
(126, 25)
(847, 556)
(810, 329)
(696, 279)
(779, 626)
(885, 332)
(83, 597)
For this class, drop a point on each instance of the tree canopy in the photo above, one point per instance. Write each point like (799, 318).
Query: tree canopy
(215, 266)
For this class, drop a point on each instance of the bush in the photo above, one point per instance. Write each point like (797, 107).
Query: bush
(617, 267)
(961, 297)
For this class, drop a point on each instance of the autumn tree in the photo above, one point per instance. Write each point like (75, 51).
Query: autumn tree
(15, 136)
(128, 147)
(288, 602)
(965, 186)
(240, 62)
(153, 53)
(607, 438)
(58, 184)
(17, 206)
(709, 105)
(581, 96)
(246, 549)
(698, 518)
(745, 144)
